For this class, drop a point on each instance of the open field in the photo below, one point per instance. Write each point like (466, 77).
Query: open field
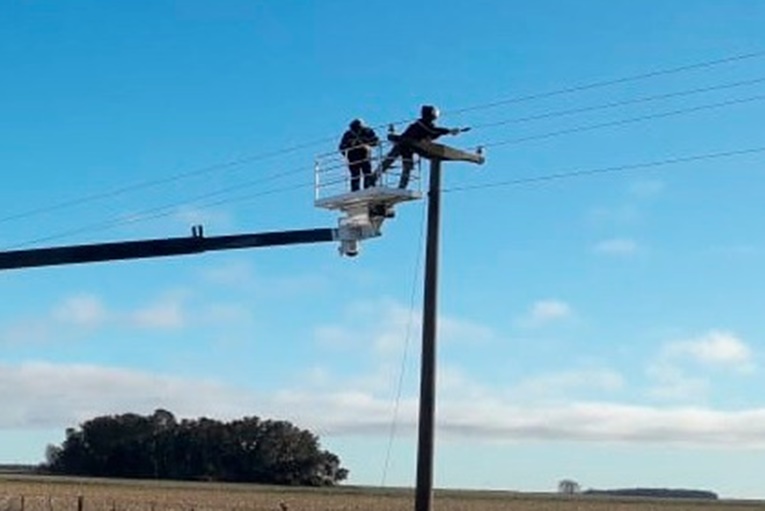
(29, 493)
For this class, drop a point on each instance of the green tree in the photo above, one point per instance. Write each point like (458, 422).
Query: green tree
(158, 446)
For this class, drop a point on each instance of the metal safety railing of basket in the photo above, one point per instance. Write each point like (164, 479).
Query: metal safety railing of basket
(332, 176)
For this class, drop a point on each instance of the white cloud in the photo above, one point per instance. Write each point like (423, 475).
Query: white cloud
(44, 395)
(564, 383)
(544, 312)
(79, 313)
(681, 369)
(25, 331)
(385, 325)
(616, 246)
(715, 348)
(335, 336)
(631, 211)
(224, 313)
(239, 274)
(454, 381)
(377, 332)
(166, 314)
(457, 329)
(593, 421)
(674, 383)
(81, 310)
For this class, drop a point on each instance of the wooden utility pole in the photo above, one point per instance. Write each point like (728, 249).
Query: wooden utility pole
(436, 153)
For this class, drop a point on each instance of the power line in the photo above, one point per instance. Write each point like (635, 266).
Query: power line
(615, 81)
(168, 209)
(615, 104)
(251, 183)
(405, 354)
(605, 170)
(622, 122)
(140, 186)
(151, 214)
(299, 147)
(595, 85)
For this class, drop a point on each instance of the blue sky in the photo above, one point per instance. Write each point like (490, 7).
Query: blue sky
(603, 327)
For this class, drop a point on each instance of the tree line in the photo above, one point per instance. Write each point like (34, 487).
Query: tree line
(657, 493)
(158, 446)
(571, 487)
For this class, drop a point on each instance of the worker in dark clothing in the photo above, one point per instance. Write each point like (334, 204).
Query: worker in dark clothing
(422, 129)
(356, 145)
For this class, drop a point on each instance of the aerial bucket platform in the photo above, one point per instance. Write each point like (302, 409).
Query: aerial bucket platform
(364, 210)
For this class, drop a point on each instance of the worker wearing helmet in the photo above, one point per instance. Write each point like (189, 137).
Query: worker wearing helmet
(356, 145)
(423, 129)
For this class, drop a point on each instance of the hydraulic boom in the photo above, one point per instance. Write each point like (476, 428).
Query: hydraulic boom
(162, 247)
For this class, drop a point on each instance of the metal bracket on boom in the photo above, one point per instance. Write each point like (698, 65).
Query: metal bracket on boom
(355, 226)
(363, 213)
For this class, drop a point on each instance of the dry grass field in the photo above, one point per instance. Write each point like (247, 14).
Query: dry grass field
(26, 493)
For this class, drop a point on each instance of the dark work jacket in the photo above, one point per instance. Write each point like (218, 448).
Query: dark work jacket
(423, 130)
(417, 132)
(357, 145)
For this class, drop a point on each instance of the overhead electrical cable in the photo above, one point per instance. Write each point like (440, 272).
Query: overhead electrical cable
(622, 122)
(152, 214)
(169, 209)
(273, 177)
(616, 104)
(142, 185)
(405, 353)
(163, 211)
(605, 170)
(608, 83)
(138, 186)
